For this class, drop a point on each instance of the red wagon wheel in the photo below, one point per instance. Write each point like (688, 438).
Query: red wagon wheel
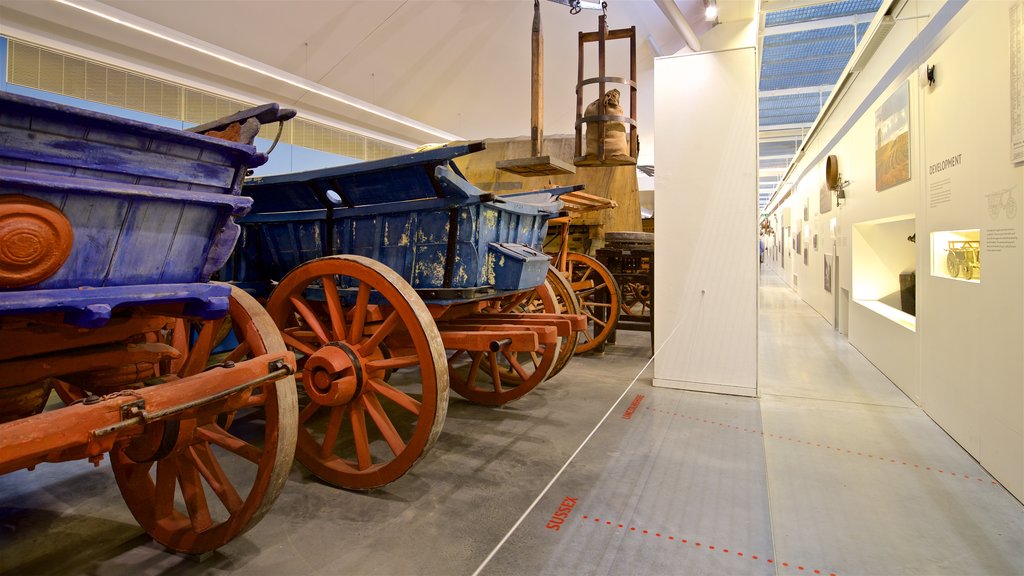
(599, 298)
(565, 302)
(228, 467)
(353, 321)
(493, 378)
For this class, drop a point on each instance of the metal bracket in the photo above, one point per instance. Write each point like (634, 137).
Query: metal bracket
(133, 409)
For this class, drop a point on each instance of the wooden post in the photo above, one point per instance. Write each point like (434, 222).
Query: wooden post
(537, 85)
(634, 137)
(579, 102)
(602, 30)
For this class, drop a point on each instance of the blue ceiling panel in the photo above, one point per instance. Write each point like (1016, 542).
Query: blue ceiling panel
(767, 103)
(812, 36)
(777, 148)
(809, 65)
(820, 49)
(817, 78)
(788, 120)
(821, 12)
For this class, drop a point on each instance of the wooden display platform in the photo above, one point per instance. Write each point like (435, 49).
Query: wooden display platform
(536, 166)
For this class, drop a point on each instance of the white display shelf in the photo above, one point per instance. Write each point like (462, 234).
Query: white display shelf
(898, 316)
(956, 255)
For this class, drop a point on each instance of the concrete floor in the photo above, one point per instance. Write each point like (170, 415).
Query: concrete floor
(831, 471)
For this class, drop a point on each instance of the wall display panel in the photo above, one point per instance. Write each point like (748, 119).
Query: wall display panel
(972, 292)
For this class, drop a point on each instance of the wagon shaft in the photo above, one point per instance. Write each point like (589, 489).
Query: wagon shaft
(89, 428)
(512, 338)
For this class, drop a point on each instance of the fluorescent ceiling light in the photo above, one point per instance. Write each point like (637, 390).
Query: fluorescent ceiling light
(254, 66)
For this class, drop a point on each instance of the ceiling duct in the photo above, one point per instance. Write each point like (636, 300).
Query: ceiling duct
(678, 21)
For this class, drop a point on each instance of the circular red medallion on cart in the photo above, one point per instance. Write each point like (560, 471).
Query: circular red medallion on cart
(35, 240)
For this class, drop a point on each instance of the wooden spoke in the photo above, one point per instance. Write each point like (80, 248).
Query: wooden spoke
(334, 307)
(395, 395)
(474, 368)
(200, 352)
(308, 412)
(382, 332)
(380, 418)
(221, 437)
(596, 321)
(495, 372)
(166, 484)
(357, 414)
(331, 434)
(516, 365)
(598, 305)
(393, 363)
(310, 318)
(298, 344)
(211, 471)
(240, 351)
(194, 495)
(586, 275)
(516, 301)
(359, 313)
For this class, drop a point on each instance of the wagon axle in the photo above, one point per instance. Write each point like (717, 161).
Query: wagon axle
(334, 374)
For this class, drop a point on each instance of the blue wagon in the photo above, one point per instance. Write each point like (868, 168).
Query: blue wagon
(392, 280)
(109, 232)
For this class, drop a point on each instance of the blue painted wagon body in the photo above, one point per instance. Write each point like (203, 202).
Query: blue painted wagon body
(393, 281)
(148, 206)
(415, 213)
(109, 232)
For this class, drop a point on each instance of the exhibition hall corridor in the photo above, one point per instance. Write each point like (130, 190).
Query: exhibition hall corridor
(832, 470)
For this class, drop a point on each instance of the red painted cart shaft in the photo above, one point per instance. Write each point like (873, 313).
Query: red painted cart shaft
(78, 431)
(518, 338)
(564, 324)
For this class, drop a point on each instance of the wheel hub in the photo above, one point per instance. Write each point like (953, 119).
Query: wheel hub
(333, 375)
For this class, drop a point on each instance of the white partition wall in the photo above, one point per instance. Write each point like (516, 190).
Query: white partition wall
(706, 242)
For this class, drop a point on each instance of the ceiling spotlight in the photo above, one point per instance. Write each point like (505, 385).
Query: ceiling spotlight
(711, 10)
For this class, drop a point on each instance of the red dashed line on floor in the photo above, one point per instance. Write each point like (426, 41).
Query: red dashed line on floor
(827, 447)
(707, 547)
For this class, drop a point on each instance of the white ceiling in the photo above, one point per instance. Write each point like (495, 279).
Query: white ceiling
(460, 66)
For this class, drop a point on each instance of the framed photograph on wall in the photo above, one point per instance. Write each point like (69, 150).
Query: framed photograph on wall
(828, 273)
(892, 140)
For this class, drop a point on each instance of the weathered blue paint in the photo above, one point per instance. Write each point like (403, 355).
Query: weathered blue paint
(400, 212)
(91, 307)
(151, 208)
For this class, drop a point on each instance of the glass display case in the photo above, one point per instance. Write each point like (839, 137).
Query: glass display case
(956, 254)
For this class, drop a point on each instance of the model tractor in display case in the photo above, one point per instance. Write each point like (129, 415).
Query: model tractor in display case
(392, 281)
(963, 259)
(110, 230)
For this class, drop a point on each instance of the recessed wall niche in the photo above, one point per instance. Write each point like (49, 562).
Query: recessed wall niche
(956, 254)
(884, 275)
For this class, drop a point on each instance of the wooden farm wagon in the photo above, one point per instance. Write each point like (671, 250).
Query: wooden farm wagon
(392, 280)
(109, 232)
